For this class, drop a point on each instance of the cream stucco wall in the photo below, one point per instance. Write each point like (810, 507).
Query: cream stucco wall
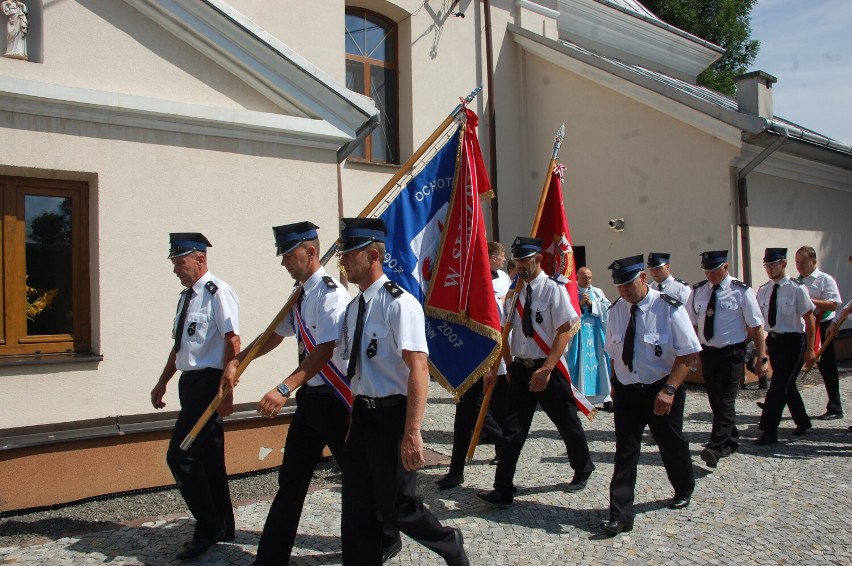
(144, 185)
(107, 45)
(811, 215)
(668, 180)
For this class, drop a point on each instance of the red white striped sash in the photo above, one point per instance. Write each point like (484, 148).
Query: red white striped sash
(330, 373)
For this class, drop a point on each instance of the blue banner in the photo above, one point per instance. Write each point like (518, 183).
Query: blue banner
(415, 221)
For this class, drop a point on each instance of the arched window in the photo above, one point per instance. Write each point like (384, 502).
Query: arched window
(371, 69)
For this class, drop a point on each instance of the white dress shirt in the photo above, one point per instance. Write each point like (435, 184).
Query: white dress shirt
(322, 312)
(211, 315)
(663, 333)
(391, 325)
(551, 308)
(822, 287)
(673, 288)
(792, 303)
(736, 309)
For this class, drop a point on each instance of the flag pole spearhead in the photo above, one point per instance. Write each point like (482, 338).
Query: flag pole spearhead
(557, 142)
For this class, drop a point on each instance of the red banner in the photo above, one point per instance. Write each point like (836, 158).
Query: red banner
(553, 228)
(463, 271)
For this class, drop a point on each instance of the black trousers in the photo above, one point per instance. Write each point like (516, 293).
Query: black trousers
(785, 355)
(467, 411)
(200, 471)
(724, 369)
(377, 488)
(558, 403)
(320, 420)
(828, 368)
(634, 409)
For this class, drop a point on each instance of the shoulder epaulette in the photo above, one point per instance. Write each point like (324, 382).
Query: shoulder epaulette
(670, 300)
(765, 284)
(796, 281)
(393, 289)
(211, 287)
(739, 283)
(329, 282)
(681, 281)
(613, 304)
(699, 284)
(559, 278)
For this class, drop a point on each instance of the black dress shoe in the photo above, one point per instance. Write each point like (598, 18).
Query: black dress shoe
(197, 546)
(449, 481)
(227, 535)
(496, 498)
(759, 404)
(710, 458)
(461, 558)
(392, 550)
(766, 439)
(614, 526)
(578, 482)
(800, 430)
(830, 416)
(679, 502)
(608, 407)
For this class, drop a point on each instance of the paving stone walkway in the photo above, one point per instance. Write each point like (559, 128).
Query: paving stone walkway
(782, 504)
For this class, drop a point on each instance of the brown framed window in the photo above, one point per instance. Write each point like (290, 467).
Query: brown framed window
(371, 69)
(45, 298)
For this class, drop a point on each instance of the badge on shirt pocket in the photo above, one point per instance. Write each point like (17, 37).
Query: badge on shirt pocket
(538, 318)
(191, 328)
(372, 348)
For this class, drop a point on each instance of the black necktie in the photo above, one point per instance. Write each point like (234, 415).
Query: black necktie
(187, 296)
(710, 315)
(356, 339)
(660, 287)
(773, 306)
(629, 337)
(526, 322)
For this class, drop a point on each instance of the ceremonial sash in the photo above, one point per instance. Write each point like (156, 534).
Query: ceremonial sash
(582, 403)
(329, 373)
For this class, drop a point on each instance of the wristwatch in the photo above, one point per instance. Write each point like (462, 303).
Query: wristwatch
(283, 390)
(669, 388)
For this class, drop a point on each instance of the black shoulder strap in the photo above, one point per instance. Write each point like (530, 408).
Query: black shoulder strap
(615, 303)
(670, 300)
(211, 287)
(699, 284)
(739, 283)
(329, 282)
(393, 289)
(681, 281)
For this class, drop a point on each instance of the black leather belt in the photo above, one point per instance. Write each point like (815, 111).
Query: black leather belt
(658, 383)
(380, 402)
(530, 362)
(723, 348)
(316, 390)
(783, 334)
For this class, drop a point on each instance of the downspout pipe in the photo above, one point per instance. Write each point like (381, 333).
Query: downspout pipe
(742, 199)
(492, 126)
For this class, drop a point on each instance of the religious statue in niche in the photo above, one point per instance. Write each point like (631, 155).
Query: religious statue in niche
(17, 26)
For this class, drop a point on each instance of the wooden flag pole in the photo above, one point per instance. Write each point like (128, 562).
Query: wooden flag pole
(512, 295)
(832, 332)
(288, 306)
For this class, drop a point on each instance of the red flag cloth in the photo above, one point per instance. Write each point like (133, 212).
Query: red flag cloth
(463, 270)
(553, 228)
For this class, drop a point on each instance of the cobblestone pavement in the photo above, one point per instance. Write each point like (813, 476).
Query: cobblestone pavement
(782, 504)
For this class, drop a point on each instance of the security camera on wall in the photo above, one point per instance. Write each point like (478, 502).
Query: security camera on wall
(617, 224)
